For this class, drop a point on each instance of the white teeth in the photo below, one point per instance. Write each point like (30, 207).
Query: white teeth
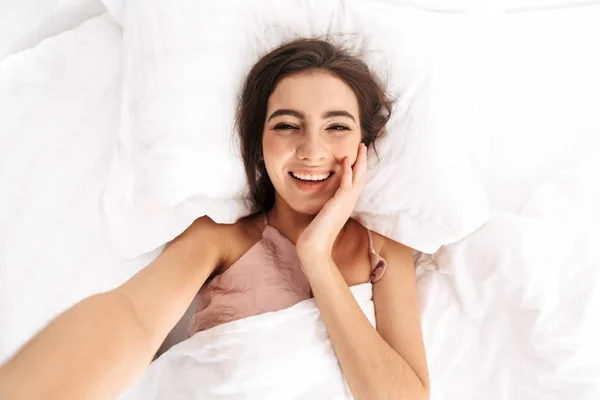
(312, 177)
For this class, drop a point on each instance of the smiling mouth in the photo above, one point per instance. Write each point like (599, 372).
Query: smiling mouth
(311, 178)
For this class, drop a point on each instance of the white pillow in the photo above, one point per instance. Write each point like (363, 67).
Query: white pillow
(185, 62)
(25, 23)
(116, 9)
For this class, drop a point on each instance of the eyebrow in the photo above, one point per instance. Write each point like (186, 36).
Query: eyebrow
(299, 115)
(284, 111)
(338, 113)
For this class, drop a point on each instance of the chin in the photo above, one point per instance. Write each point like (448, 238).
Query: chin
(308, 207)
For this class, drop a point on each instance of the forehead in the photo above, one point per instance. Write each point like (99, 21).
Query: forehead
(313, 91)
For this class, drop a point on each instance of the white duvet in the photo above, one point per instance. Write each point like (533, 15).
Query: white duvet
(509, 313)
(280, 355)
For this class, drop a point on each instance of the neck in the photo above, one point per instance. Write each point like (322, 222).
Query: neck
(288, 221)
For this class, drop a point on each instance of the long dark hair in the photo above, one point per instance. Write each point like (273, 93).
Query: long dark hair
(291, 58)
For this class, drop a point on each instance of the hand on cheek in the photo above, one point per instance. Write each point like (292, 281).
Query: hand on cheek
(318, 238)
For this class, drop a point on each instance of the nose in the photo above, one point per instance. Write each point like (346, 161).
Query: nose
(312, 147)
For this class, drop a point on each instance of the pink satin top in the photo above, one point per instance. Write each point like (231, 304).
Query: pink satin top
(266, 278)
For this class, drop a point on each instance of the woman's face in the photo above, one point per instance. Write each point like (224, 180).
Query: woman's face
(312, 124)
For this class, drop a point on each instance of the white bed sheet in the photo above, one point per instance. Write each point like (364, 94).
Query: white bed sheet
(511, 312)
(508, 313)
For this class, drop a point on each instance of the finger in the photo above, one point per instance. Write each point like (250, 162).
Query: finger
(360, 167)
(346, 182)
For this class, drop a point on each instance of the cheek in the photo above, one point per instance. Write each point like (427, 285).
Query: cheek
(347, 148)
(275, 152)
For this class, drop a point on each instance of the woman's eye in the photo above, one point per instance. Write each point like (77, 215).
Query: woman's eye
(284, 127)
(338, 128)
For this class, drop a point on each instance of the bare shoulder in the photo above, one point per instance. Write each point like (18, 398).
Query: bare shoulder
(230, 240)
(381, 243)
(203, 227)
(241, 236)
(214, 230)
(201, 239)
(389, 248)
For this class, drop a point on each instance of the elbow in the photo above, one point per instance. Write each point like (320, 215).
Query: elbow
(424, 393)
(397, 390)
(420, 393)
(403, 391)
(423, 390)
(422, 387)
(400, 391)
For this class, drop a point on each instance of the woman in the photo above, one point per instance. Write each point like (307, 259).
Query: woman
(307, 113)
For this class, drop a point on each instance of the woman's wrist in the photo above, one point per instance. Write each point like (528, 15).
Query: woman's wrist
(313, 254)
(315, 262)
(313, 248)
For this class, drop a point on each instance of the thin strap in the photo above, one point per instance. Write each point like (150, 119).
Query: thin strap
(370, 240)
(378, 263)
(266, 218)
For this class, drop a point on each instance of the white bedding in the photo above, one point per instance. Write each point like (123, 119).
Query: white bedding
(59, 107)
(280, 355)
(508, 313)
(521, 325)
(25, 25)
(518, 301)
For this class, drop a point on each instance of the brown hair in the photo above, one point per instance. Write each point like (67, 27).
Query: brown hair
(291, 58)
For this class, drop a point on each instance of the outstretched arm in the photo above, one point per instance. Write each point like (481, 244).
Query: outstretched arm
(98, 347)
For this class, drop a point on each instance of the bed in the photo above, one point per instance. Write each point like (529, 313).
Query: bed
(509, 312)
